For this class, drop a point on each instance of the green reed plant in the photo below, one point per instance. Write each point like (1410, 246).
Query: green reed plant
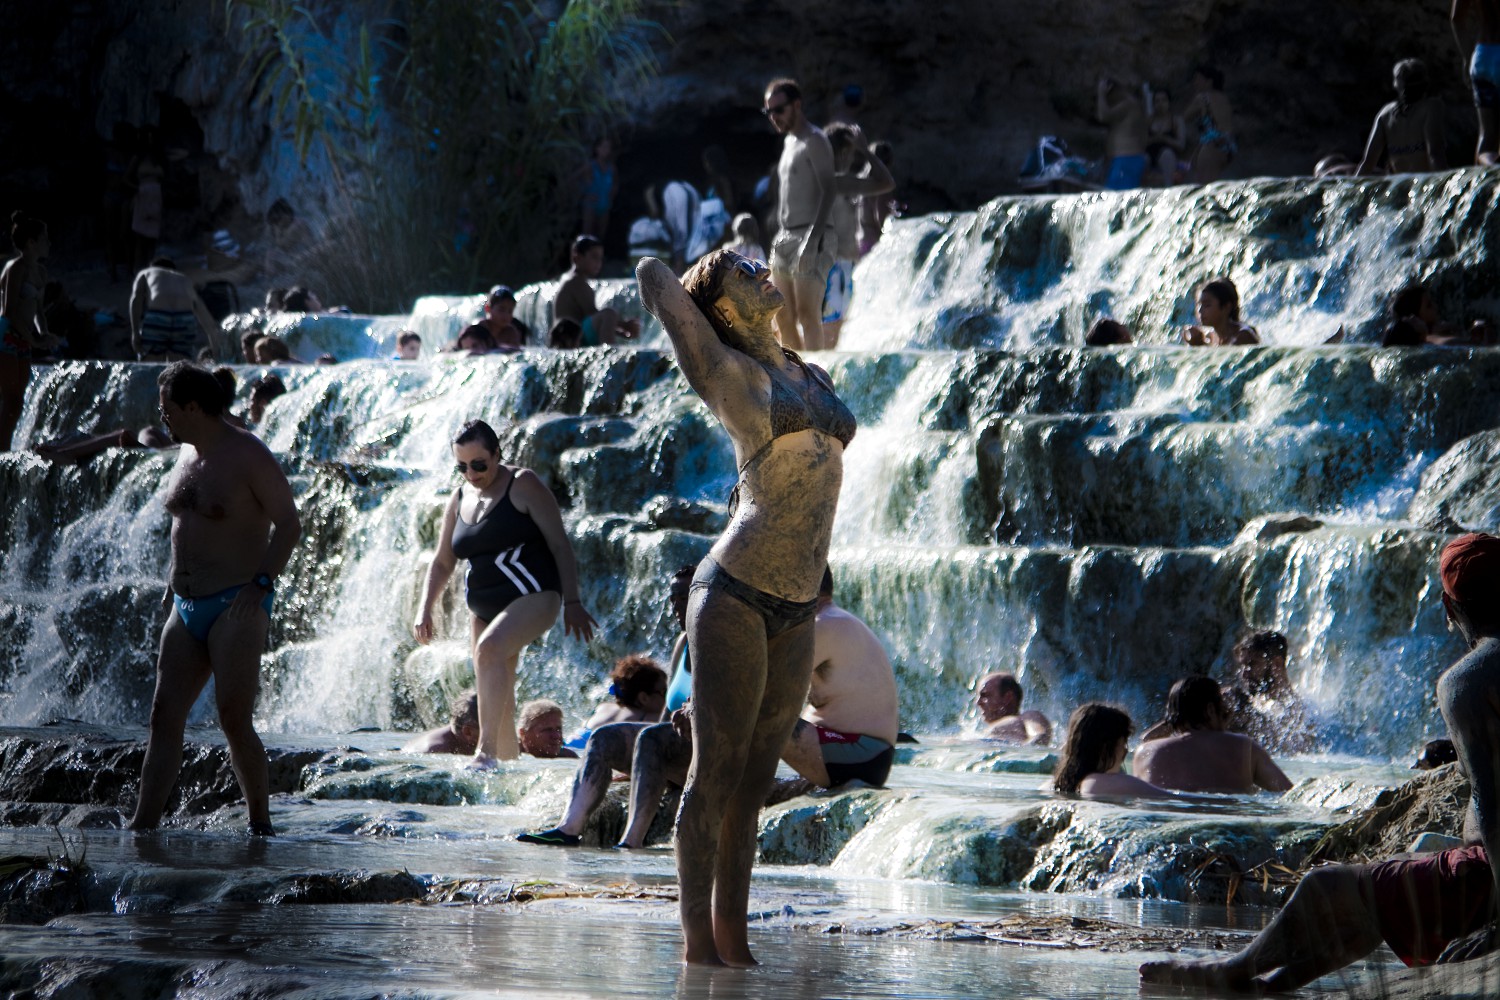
(452, 133)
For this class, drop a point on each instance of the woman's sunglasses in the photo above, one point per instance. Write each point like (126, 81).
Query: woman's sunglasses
(478, 465)
(751, 268)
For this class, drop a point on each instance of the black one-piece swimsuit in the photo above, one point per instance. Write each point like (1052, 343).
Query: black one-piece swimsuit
(508, 557)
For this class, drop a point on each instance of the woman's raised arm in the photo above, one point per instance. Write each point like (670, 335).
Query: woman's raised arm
(702, 356)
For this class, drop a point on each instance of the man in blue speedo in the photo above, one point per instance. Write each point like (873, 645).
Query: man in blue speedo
(1476, 27)
(233, 528)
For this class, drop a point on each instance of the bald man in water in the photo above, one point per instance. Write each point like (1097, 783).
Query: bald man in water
(1476, 28)
(999, 699)
(1428, 908)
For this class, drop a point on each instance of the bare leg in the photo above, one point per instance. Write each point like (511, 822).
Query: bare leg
(609, 749)
(182, 668)
(831, 334)
(234, 649)
(789, 669)
(728, 646)
(808, 307)
(785, 321)
(661, 758)
(1208, 164)
(804, 754)
(497, 651)
(1327, 924)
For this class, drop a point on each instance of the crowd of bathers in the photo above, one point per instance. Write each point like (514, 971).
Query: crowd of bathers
(1412, 319)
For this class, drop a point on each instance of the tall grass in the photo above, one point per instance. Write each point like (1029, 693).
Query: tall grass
(454, 131)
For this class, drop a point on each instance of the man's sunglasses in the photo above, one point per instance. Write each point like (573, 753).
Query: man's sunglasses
(478, 465)
(772, 110)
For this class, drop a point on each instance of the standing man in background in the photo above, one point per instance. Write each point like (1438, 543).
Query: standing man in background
(804, 249)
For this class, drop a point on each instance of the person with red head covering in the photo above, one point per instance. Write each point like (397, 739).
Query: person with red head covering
(1429, 908)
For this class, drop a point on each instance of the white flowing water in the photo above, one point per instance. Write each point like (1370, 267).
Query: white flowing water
(1094, 520)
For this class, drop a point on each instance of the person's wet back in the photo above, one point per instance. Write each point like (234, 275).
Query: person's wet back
(459, 736)
(1199, 755)
(166, 313)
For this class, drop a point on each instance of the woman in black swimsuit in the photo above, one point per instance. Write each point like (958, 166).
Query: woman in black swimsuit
(521, 569)
(750, 613)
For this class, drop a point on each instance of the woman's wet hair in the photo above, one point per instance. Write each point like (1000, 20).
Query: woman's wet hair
(297, 299)
(273, 347)
(1189, 701)
(25, 229)
(634, 676)
(187, 382)
(483, 433)
(1223, 290)
(704, 283)
(585, 243)
(1412, 83)
(466, 709)
(1094, 732)
(840, 137)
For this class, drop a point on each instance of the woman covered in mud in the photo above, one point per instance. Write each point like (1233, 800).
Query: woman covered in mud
(505, 521)
(750, 612)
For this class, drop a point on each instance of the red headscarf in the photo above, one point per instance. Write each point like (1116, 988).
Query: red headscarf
(1470, 571)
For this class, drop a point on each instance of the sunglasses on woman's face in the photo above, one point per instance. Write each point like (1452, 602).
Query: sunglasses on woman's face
(478, 465)
(749, 268)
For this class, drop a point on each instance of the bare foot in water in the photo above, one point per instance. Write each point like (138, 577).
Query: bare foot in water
(481, 762)
(1198, 974)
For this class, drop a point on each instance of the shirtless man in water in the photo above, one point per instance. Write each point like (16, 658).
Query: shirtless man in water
(848, 729)
(805, 246)
(165, 312)
(1481, 43)
(999, 699)
(1422, 904)
(1198, 755)
(234, 525)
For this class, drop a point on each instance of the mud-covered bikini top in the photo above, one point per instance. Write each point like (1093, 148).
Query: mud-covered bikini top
(791, 411)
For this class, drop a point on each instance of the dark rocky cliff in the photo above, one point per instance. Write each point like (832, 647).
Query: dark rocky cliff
(962, 89)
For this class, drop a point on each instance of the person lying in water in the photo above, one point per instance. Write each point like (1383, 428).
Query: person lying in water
(1199, 755)
(460, 735)
(999, 700)
(539, 730)
(1094, 754)
(1432, 908)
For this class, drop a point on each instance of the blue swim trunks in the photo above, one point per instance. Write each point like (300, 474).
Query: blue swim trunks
(838, 290)
(200, 613)
(1125, 172)
(1484, 73)
(165, 331)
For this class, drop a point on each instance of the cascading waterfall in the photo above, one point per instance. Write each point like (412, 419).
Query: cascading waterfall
(1101, 521)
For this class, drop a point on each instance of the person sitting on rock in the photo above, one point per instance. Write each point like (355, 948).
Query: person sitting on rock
(273, 351)
(262, 391)
(1218, 312)
(1415, 307)
(539, 730)
(1093, 757)
(565, 335)
(638, 686)
(408, 346)
(847, 731)
(1199, 755)
(999, 700)
(475, 339)
(575, 298)
(1433, 908)
(508, 333)
(460, 735)
(650, 753)
(1261, 700)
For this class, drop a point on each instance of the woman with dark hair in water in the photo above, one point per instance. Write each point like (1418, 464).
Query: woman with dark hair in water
(1407, 136)
(750, 613)
(506, 522)
(1218, 309)
(23, 324)
(1092, 756)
